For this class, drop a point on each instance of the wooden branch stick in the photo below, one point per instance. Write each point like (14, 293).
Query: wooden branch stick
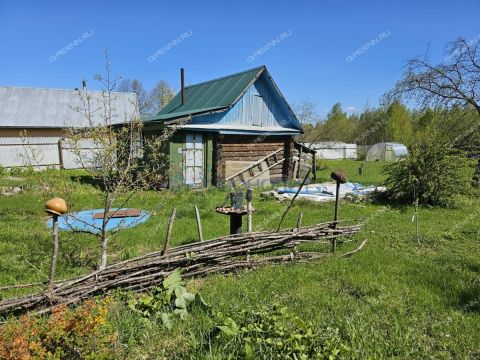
(169, 231)
(199, 224)
(350, 253)
(291, 202)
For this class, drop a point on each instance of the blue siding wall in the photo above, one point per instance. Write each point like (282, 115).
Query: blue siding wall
(260, 106)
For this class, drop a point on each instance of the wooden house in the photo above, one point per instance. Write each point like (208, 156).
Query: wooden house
(236, 130)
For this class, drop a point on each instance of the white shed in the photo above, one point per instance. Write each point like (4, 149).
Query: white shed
(334, 150)
(32, 122)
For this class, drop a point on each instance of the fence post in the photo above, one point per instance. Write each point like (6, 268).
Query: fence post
(314, 165)
(60, 154)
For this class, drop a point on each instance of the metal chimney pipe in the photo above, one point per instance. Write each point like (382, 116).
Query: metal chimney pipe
(182, 81)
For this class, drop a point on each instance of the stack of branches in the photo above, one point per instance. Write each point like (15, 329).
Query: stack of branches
(222, 254)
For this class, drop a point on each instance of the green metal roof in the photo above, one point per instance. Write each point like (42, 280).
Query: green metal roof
(208, 96)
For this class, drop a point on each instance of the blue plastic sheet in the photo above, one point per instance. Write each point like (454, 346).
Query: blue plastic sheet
(83, 221)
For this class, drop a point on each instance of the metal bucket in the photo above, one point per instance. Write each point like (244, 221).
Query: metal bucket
(236, 199)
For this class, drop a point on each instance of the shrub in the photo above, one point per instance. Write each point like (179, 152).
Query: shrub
(167, 302)
(430, 173)
(16, 170)
(82, 333)
(275, 333)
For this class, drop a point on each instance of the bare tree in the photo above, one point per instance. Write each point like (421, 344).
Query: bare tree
(309, 118)
(121, 162)
(136, 86)
(453, 83)
(456, 81)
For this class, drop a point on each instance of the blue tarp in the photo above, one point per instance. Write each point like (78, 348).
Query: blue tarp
(322, 190)
(84, 221)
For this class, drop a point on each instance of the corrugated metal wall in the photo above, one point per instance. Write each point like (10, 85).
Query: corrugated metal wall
(40, 152)
(36, 151)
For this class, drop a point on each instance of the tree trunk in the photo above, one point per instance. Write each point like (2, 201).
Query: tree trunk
(103, 259)
(107, 206)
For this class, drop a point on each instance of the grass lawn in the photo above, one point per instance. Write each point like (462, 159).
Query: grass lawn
(393, 299)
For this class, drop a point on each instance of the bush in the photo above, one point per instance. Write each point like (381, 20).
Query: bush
(16, 170)
(168, 302)
(430, 173)
(82, 333)
(275, 333)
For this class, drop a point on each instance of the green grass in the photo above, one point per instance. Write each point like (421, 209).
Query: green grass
(393, 299)
(372, 171)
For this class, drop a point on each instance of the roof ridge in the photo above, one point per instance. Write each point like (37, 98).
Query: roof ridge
(227, 76)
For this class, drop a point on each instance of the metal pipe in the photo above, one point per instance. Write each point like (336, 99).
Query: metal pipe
(340, 178)
(182, 84)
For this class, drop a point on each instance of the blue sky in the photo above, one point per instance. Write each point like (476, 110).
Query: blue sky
(310, 61)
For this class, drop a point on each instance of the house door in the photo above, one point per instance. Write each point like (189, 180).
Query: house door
(193, 160)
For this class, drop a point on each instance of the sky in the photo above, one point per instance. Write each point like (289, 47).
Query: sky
(347, 51)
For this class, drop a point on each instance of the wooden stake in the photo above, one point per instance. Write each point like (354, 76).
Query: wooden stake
(417, 225)
(60, 154)
(53, 262)
(199, 224)
(299, 220)
(169, 231)
(415, 215)
(249, 209)
(299, 225)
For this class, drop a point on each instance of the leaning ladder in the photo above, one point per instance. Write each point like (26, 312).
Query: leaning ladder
(255, 170)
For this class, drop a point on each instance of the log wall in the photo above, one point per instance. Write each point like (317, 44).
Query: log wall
(250, 148)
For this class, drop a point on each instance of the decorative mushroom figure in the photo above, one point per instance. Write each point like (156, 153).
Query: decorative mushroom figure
(55, 207)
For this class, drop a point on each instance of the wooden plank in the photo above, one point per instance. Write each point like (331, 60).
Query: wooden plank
(243, 139)
(246, 158)
(254, 150)
(199, 224)
(118, 214)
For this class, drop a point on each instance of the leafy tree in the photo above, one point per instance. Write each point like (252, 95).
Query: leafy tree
(398, 127)
(160, 96)
(338, 126)
(371, 127)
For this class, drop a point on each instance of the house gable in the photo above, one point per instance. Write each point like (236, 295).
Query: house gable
(260, 109)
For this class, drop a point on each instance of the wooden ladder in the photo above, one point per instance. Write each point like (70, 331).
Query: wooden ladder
(255, 170)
